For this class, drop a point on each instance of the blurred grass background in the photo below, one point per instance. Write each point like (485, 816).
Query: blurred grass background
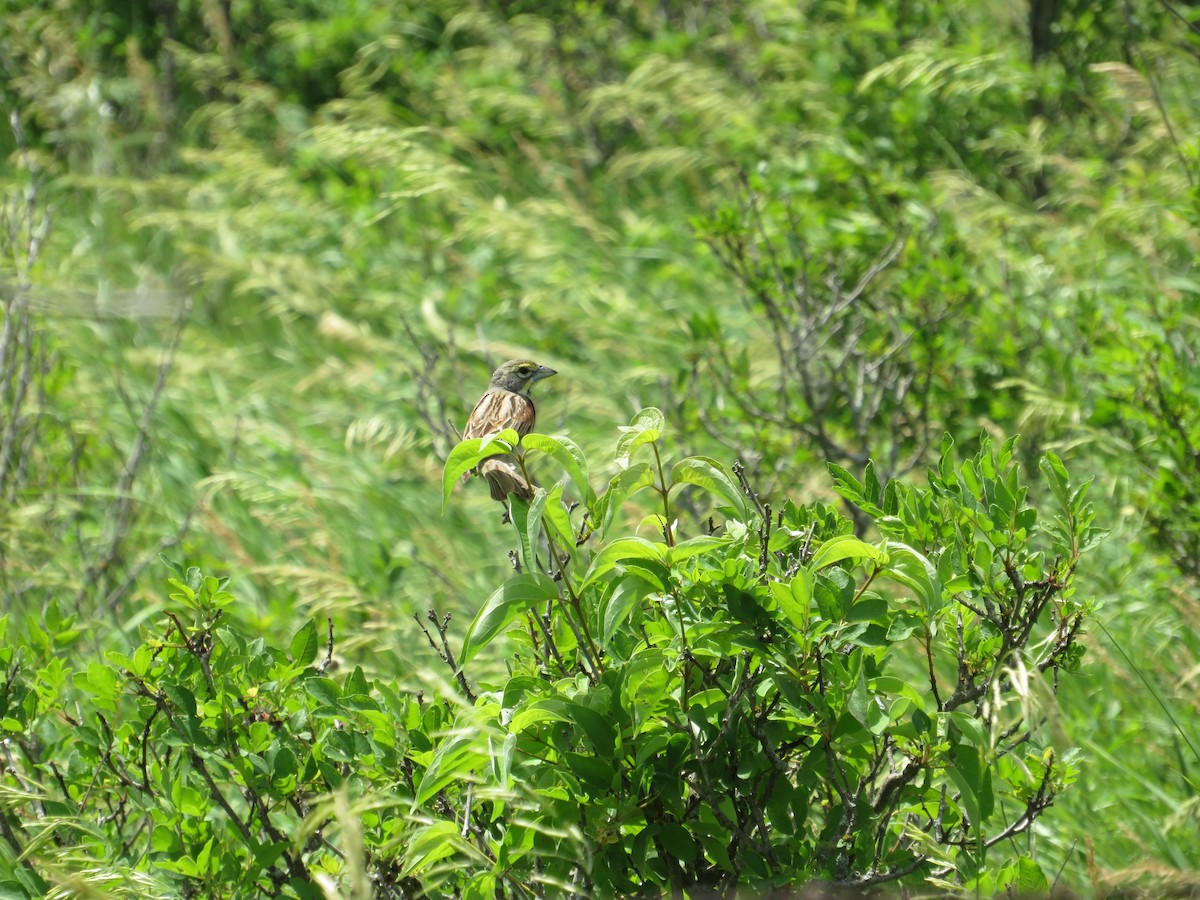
(349, 213)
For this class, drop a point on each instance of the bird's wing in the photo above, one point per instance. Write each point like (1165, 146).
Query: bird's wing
(498, 410)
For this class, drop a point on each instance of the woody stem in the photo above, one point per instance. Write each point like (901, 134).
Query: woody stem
(664, 491)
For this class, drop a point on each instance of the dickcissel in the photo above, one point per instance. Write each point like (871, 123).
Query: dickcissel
(506, 404)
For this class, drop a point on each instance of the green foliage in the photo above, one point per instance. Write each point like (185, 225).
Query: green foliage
(1154, 399)
(258, 259)
(748, 704)
(859, 327)
(767, 700)
(209, 761)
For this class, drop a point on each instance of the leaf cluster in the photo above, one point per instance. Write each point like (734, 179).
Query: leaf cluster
(773, 697)
(760, 698)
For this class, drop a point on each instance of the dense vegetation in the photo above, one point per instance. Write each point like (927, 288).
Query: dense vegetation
(809, 268)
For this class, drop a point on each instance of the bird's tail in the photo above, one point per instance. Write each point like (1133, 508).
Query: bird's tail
(504, 478)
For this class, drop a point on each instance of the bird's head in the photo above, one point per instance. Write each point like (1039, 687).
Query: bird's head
(519, 375)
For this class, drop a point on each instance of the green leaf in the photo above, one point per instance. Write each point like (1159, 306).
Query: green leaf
(872, 491)
(971, 728)
(887, 684)
(284, 769)
(865, 495)
(694, 547)
(531, 527)
(466, 455)
(204, 857)
(902, 626)
(645, 427)
(842, 547)
(878, 719)
(555, 514)
(549, 709)
(481, 886)
(430, 844)
(1031, 880)
(871, 608)
(859, 702)
(598, 729)
(711, 475)
(324, 690)
(567, 454)
(357, 684)
(947, 460)
(1006, 451)
(971, 774)
(623, 486)
(1056, 473)
(623, 548)
(528, 526)
(796, 600)
(846, 485)
(1092, 537)
(967, 793)
(303, 647)
(101, 679)
(175, 567)
(266, 854)
(627, 596)
(454, 758)
(596, 774)
(915, 572)
(677, 841)
(505, 605)
(186, 594)
(164, 840)
(178, 695)
(507, 436)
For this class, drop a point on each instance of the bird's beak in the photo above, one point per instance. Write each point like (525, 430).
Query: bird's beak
(543, 372)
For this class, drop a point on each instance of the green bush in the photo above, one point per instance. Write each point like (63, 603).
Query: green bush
(753, 696)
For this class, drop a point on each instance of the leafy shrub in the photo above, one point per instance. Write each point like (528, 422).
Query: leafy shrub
(866, 313)
(759, 698)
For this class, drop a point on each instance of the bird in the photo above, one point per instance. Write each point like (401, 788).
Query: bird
(506, 404)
